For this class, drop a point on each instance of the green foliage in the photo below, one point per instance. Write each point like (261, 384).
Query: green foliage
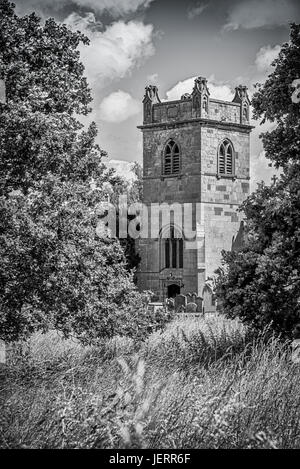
(55, 271)
(261, 282)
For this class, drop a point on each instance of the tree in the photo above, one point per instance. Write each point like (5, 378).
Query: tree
(134, 195)
(55, 270)
(119, 187)
(136, 188)
(261, 282)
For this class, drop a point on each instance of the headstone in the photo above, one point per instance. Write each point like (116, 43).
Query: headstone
(154, 298)
(170, 303)
(154, 307)
(208, 300)
(191, 308)
(189, 297)
(2, 352)
(199, 303)
(180, 302)
(194, 296)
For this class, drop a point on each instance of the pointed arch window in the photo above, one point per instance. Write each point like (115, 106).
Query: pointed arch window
(173, 250)
(225, 159)
(171, 159)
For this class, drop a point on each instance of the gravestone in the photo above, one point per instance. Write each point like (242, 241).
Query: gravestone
(194, 296)
(199, 303)
(154, 307)
(191, 308)
(170, 303)
(180, 302)
(189, 297)
(209, 305)
(154, 299)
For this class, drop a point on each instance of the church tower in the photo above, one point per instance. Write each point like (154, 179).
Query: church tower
(196, 157)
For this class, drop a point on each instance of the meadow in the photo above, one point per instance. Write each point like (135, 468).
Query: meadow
(200, 383)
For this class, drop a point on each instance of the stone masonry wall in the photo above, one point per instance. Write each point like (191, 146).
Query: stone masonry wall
(222, 196)
(164, 189)
(175, 111)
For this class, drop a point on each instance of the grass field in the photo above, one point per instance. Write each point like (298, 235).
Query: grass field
(199, 384)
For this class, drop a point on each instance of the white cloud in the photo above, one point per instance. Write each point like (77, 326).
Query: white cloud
(250, 14)
(118, 106)
(180, 88)
(116, 8)
(261, 170)
(265, 56)
(196, 10)
(86, 24)
(115, 52)
(218, 90)
(152, 79)
(123, 169)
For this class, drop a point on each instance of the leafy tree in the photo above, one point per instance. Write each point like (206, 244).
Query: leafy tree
(120, 186)
(134, 195)
(136, 188)
(261, 282)
(55, 270)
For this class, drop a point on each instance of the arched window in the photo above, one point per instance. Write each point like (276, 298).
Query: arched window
(171, 163)
(225, 159)
(172, 250)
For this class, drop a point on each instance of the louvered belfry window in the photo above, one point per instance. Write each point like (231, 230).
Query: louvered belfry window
(225, 159)
(171, 158)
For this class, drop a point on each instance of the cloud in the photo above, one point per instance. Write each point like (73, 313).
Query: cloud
(115, 8)
(196, 10)
(218, 90)
(261, 170)
(123, 169)
(118, 106)
(152, 79)
(251, 14)
(86, 24)
(265, 56)
(114, 52)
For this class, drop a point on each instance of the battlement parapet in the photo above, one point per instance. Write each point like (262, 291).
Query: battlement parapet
(196, 105)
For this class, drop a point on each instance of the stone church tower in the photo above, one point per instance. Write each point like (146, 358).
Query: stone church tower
(196, 157)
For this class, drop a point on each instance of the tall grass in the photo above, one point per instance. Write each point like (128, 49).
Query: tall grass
(199, 384)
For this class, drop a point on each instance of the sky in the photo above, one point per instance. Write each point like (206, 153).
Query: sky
(168, 43)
